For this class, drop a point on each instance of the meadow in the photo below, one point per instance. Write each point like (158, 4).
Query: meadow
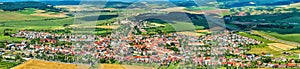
(7, 65)
(200, 8)
(270, 47)
(256, 37)
(6, 16)
(289, 37)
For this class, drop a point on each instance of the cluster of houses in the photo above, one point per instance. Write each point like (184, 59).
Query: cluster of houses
(163, 49)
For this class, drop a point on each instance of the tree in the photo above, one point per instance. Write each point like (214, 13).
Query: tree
(0, 57)
(2, 45)
(18, 58)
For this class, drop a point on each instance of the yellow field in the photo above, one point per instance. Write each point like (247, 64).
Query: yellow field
(106, 27)
(190, 33)
(39, 64)
(260, 50)
(111, 66)
(281, 46)
(201, 31)
(45, 14)
(137, 67)
(180, 9)
(275, 48)
(157, 24)
(117, 66)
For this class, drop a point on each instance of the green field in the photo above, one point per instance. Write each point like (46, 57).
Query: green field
(32, 25)
(7, 65)
(289, 37)
(27, 11)
(183, 26)
(256, 37)
(280, 33)
(260, 50)
(6, 16)
(200, 8)
(38, 24)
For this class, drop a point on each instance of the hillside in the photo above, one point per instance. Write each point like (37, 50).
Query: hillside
(15, 6)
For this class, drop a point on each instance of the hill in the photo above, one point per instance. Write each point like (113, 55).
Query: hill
(15, 6)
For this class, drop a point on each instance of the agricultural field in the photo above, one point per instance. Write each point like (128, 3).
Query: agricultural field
(280, 33)
(259, 50)
(10, 39)
(275, 51)
(29, 14)
(280, 46)
(190, 33)
(178, 27)
(183, 26)
(40, 64)
(200, 8)
(7, 65)
(111, 66)
(117, 66)
(257, 37)
(6, 16)
(31, 25)
(271, 47)
(38, 24)
(27, 11)
(284, 36)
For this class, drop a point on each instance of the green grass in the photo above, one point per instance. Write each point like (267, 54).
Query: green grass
(183, 26)
(15, 16)
(10, 39)
(259, 50)
(27, 11)
(256, 37)
(277, 54)
(268, 18)
(294, 19)
(199, 27)
(7, 65)
(225, 13)
(38, 24)
(33, 25)
(200, 8)
(289, 37)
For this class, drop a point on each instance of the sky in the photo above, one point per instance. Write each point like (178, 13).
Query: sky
(80, 0)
